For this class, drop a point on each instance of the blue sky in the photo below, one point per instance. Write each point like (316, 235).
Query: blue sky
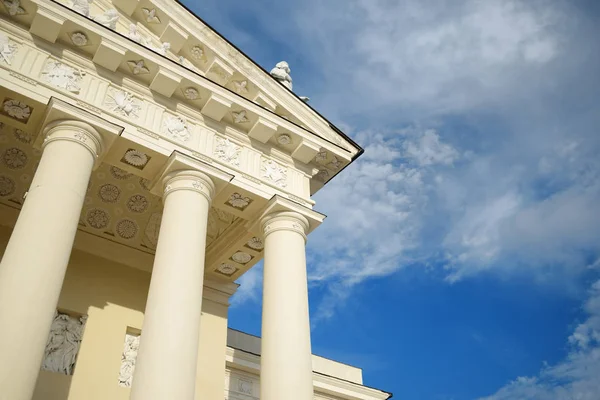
(461, 256)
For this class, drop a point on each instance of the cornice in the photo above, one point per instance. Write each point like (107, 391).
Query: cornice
(245, 361)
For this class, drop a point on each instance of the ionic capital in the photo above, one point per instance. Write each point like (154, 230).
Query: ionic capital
(75, 131)
(284, 220)
(189, 180)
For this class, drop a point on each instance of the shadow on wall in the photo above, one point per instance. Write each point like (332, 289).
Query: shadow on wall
(113, 297)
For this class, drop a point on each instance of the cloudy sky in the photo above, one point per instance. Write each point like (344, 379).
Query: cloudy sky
(461, 254)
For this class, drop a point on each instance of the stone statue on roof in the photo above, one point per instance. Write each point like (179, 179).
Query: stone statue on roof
(281, 72)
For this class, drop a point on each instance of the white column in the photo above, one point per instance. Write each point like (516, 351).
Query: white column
(36, 257)
(285, 365)
(166, 362)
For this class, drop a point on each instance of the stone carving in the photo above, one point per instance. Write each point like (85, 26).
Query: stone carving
(138, 67)
(137, 203)
(241, 258)
(228, 151)
(79, 39)
(176, 128)
(127, 228)
(321, 156)
(16, 109)
(14, 7)
(109, 193)
(63, 343)
(98, 218)
(281, 72)
(245, 387)
(145, 183)
(153, 228)
(161, 49)
(151, 16)
(284, 139)
(22, 136)
(240, 117)
(14, 158)
(236, 200)
(274, 173)
(123, 103)
(135, 158)
(109, 18)
(135, 35)
(191, 93)
(8, 49)
(119, 173)
(255, 244)
(227, 269)
(130, 350)
(322, 175)
(241, 86)
(7, 186)
(62, 76)
(335, 163)
(197, 52)
(82, 6)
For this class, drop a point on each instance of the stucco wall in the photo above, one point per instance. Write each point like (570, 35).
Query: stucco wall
(113, 296)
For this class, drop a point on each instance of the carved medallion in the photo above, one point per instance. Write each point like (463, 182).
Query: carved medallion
(240, 117)
(7, 186)
(255, 244)
(14, 158)
(135, 158)
(98, 218)
(109, 193)
(241, 258)
(151, 17)
(16, 110)
(137, 203)
(138, 67)
(14, 7)
(227, 269)
(79, 39)
(126, 229)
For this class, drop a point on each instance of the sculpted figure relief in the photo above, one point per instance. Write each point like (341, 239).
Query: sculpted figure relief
(82, 6)
(281, 72)
(109, 18)
(63, 343)
(130, 350)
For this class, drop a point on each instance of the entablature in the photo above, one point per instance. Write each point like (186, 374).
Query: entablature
(192, 92)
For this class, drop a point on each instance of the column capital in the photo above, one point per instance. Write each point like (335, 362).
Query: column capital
(284, 220)
(281, 213)
(184, 172)
(92, 131)
(189, 180)
(74, 131)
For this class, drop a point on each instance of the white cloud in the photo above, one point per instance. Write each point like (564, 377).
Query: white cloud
(575, 378)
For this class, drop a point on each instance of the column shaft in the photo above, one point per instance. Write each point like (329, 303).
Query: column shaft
(166, 362)
(286, 360)
(36, 257)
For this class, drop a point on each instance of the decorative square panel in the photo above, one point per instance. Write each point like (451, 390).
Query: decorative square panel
(238, 201)
(135, 158)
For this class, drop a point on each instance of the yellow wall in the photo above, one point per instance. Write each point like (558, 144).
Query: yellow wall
(114, 296)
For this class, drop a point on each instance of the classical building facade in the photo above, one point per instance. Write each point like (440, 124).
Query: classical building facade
(146, 164)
